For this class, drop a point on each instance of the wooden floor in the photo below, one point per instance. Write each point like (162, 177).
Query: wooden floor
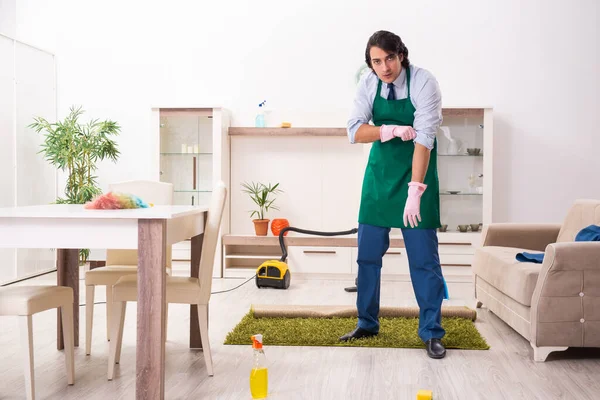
(506, 371)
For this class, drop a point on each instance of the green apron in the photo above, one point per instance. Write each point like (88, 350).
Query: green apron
(389, 170)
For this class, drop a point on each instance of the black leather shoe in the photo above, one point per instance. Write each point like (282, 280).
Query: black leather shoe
(358, 333)
(435, 348)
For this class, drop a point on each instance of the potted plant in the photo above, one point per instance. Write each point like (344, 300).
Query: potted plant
(76, 148)
(259, 193)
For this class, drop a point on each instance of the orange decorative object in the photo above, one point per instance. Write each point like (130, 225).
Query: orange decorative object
(278, 224)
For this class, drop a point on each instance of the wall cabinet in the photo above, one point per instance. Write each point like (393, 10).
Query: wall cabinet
(193, 155)
(242, 254)
(321, 175)
(320, 260)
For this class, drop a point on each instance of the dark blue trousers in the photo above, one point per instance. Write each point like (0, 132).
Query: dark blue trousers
(425, 273)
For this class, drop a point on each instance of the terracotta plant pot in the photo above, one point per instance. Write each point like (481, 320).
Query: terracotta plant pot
(261, 226)
(278, 224)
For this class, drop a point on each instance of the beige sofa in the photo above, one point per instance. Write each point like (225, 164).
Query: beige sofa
(556, 304)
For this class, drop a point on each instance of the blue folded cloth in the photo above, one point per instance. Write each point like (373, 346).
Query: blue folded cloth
(588, 234)
(446, 293)
(537, 258)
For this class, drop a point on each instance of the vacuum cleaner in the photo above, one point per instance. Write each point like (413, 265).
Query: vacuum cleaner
(275, 273)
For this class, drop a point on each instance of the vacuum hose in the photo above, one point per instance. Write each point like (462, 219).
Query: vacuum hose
(290, 228)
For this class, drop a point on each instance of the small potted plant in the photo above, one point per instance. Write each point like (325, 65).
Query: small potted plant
(259, 193)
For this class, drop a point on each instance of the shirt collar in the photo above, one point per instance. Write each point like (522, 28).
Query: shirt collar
(399, 82)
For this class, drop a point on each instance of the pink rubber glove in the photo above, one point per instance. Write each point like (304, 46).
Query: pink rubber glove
(412, 209)
(388, 132)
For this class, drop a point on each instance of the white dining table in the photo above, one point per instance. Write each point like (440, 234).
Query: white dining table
(68, 228)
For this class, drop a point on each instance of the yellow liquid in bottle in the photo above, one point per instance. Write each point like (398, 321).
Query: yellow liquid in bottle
(259, 383)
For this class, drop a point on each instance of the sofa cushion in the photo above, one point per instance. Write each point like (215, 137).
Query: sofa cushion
(499, 267)
(582, 214)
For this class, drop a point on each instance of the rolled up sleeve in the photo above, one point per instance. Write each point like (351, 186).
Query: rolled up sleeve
(428, 114)
(362, 109)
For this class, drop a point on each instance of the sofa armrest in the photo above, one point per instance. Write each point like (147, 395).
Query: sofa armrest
(523, 236)
(566, 294)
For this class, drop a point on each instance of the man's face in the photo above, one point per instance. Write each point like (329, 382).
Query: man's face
(386, 65)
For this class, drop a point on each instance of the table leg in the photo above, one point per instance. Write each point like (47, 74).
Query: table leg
(151, 307)
(67, 268)
(196, 245)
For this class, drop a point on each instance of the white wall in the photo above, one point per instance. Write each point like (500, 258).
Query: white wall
(320, 180)
(535, 62)
(8, 13)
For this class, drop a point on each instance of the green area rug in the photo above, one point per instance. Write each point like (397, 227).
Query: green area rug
(398, 332)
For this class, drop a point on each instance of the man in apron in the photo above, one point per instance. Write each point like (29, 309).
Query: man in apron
(400, 186)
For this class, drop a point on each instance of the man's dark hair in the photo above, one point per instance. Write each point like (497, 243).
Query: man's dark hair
(388, 42)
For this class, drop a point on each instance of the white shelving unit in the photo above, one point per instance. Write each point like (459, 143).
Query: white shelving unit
(470, 175)
(193, 154)
(321, 174)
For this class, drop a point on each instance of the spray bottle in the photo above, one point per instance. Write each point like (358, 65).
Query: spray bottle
(259, 378)
(259, 122)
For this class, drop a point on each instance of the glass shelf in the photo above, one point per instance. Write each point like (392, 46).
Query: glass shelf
(184, 154)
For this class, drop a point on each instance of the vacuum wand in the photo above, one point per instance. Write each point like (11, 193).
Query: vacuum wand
(291, 228)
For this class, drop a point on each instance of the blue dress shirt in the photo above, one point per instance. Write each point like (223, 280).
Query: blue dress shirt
(424, 94)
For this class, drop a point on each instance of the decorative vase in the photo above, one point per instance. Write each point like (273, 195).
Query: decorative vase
(278, 224)
(261, 226)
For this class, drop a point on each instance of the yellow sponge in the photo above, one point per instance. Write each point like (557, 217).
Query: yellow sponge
(424, 395)
(286, 125)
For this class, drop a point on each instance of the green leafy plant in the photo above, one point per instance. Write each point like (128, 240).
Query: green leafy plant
(259, 193)
(76, 148)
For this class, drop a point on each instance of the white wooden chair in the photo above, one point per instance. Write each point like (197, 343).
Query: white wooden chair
(23, 302)
(122, 262)
(182, 290)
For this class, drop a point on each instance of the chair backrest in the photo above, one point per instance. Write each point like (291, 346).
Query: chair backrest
(158, 193)
(582, 214)
(210, 240)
